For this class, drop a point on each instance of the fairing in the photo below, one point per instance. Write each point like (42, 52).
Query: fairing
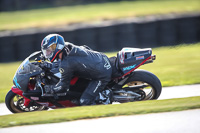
(25, 71)
(131, 58)
(19, 92)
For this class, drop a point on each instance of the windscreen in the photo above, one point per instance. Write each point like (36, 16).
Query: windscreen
(26, 66)
(26, 70)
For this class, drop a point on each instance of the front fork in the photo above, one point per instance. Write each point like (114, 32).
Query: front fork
(19, 92)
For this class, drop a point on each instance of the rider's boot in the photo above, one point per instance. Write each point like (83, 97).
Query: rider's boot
(104, 97)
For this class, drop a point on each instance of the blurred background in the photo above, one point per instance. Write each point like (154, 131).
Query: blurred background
(103, 25)
(170, 27)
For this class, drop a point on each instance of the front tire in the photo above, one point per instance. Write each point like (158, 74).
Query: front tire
(15, 103)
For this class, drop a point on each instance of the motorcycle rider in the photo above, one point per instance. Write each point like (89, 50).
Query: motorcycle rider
(77, 61)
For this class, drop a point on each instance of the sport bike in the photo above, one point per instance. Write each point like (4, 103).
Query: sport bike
(128, 84)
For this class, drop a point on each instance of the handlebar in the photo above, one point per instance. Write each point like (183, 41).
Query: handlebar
(47, 65)
(41, 62)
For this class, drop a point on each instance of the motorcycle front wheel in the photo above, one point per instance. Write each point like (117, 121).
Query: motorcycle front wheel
(15, 103)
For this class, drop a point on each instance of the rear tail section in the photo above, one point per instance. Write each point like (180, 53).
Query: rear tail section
(129, 59)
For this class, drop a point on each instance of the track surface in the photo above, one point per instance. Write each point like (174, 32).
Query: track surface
(173, 122)
(170, 122)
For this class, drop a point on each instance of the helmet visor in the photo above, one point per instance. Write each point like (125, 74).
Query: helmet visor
(49, 51)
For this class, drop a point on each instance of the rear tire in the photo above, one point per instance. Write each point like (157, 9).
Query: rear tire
(145, 77)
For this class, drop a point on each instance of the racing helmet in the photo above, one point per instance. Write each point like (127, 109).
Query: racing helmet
(52, 45)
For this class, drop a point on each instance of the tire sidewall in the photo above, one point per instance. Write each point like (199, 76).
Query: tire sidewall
(8, 100)
(149, 78)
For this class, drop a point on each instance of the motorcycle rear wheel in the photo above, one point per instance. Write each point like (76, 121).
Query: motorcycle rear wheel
(15, 103)
(145, 78)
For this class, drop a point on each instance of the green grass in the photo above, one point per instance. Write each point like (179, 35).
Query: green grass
(179, 65)
(7, 71)
(77, 113)
(93, 12)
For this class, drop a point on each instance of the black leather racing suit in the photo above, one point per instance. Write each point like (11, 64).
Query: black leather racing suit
(82, 62)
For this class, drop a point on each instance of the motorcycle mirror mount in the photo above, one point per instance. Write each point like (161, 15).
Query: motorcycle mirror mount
(41, 58)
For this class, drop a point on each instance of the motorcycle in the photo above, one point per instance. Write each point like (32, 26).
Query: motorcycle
(127, 84)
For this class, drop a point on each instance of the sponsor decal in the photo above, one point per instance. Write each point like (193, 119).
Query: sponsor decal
(61, 70)
(121, 58)
(128, 49)
(139, 57)
(107, 64)
(35, 98)
(129, 67)
(16, 84)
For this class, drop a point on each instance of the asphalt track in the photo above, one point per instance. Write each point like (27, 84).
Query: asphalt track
(169, 122)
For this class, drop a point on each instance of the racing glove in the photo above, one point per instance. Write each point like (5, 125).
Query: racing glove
(52, 89)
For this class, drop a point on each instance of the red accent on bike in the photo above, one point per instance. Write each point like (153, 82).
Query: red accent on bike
(73, 81)
(19, 92)
(67, 103)
(31, 86)
(55, 56)
(136, 67)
